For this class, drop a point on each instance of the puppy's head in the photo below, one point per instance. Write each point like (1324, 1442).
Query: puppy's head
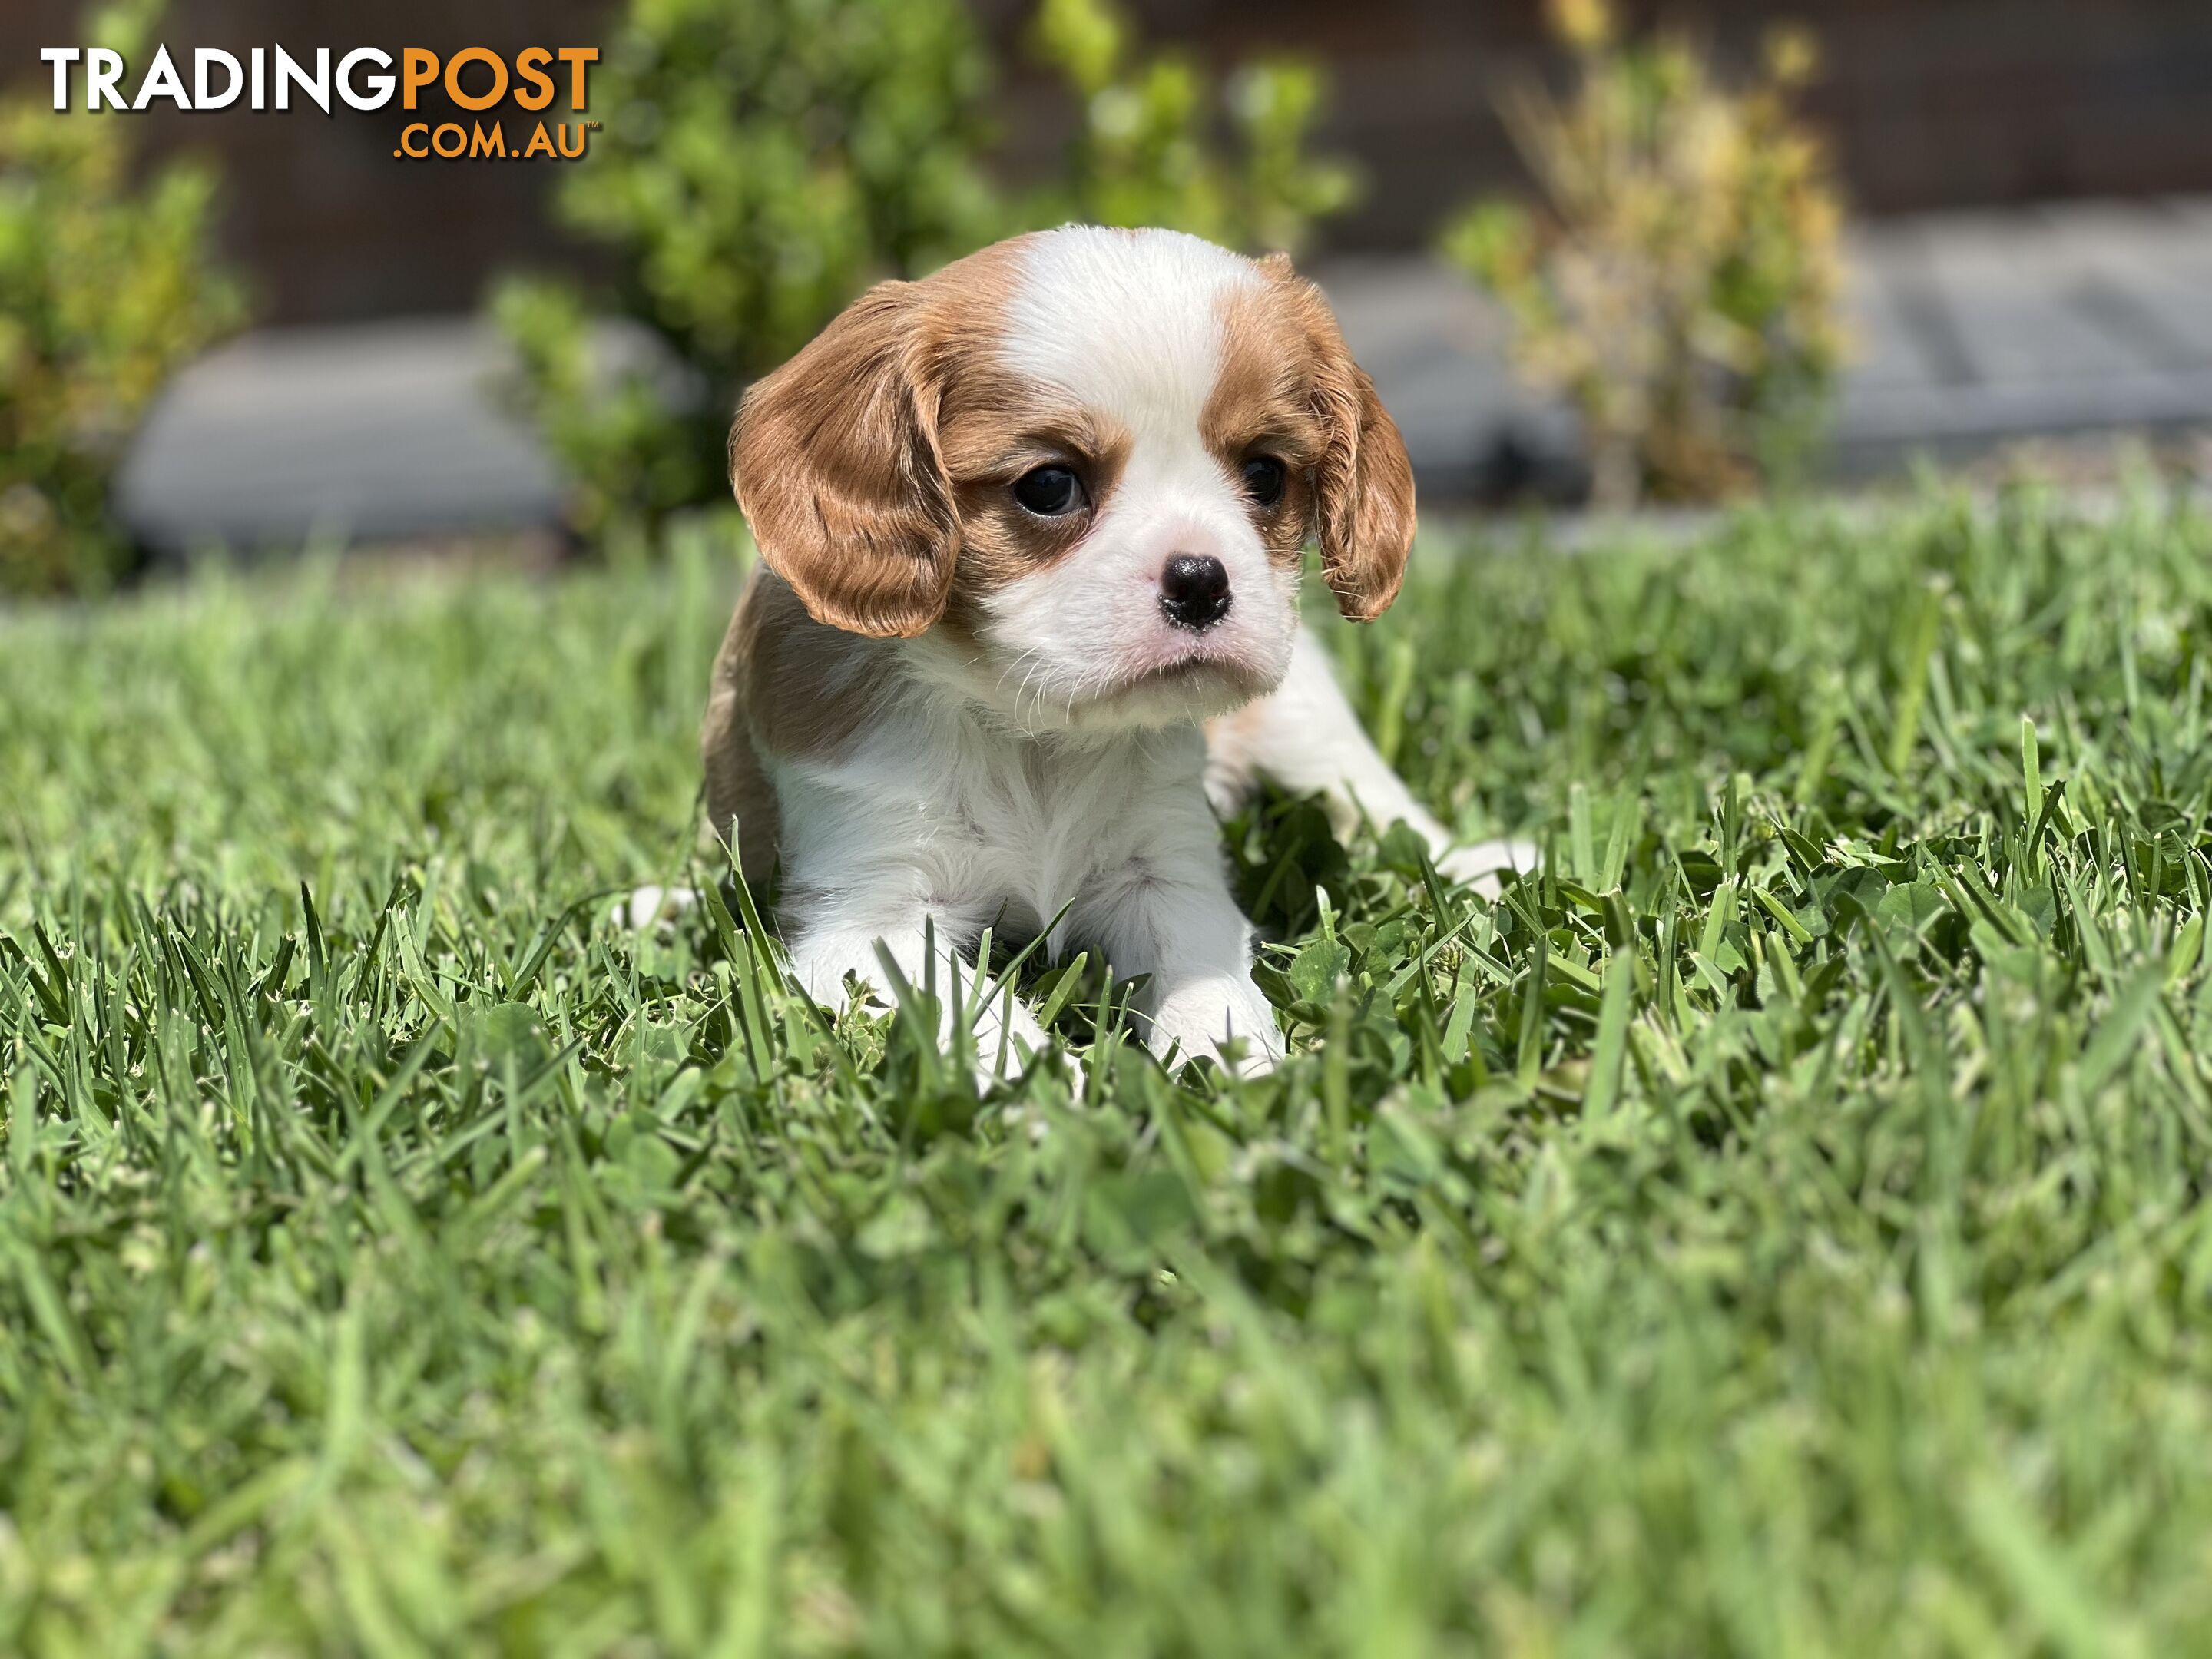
(1085, 465)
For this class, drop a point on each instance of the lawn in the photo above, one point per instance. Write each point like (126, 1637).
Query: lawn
(1777, 1228)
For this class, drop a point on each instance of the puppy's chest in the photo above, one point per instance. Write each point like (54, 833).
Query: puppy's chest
(1035, 821)
(1020, 804)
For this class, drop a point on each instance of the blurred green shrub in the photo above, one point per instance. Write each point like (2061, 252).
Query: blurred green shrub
(630, 452)
(764, 161)
(104, 288)
(1147, 154)
(1682, 288)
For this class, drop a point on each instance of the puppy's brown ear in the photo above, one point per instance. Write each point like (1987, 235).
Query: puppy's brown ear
(835, 462)
(1363, 486)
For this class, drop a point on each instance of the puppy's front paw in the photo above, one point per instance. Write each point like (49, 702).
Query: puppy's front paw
(1219, 1019)
(1484, 866)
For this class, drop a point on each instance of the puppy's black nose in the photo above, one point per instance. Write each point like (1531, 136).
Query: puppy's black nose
(1194, 591)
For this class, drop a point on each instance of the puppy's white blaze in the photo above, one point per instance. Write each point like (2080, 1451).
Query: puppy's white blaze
(1125, 320)
(1129, 324)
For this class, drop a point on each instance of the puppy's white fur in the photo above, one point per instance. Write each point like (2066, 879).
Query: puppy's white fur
(1009, 728)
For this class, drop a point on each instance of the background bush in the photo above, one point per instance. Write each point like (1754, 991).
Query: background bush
(766, 160)
(104, 288)
(1145, 153)
(1681, 288)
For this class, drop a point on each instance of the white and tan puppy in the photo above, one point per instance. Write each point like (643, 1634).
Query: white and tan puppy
(1031, 532)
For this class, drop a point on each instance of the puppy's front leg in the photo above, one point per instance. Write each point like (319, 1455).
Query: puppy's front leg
(1304, 736)
(1173, 919)
(829, 948)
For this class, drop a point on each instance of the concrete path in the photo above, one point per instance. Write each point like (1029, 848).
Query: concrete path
(1971, 330)
(1968, 330)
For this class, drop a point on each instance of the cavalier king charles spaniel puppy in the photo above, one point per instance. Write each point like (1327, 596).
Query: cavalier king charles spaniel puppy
(1026, 617)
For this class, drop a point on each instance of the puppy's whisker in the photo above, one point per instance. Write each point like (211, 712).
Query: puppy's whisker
(1034, 654)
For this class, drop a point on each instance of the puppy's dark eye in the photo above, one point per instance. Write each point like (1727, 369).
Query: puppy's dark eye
(1263, 479)
(1050, 492)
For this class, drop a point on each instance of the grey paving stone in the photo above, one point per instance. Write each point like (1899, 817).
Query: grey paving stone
(2088, 318)
(374, 432)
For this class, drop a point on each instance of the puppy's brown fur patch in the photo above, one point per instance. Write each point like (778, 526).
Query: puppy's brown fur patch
(1363, 481)
(785, 686)
(835, 456)
(1262, 404)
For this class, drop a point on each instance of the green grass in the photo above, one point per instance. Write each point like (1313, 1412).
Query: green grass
(1779, 1228)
